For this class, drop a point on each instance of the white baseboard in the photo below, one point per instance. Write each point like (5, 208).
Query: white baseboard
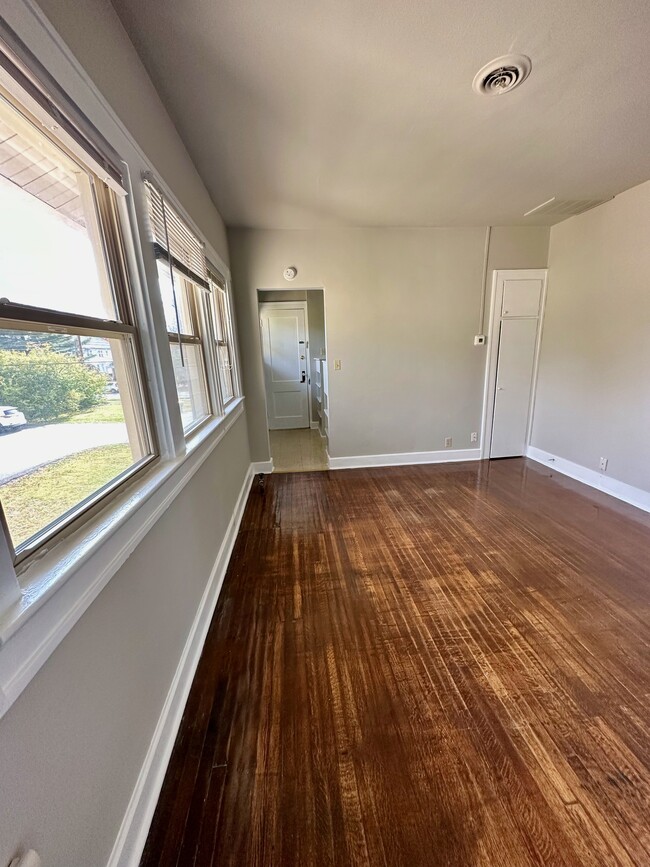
(262, 466)
(443, 456)
(132, 835)
(622, 491)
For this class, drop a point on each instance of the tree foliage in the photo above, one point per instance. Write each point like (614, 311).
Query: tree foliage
(25, 341)
(45, 384)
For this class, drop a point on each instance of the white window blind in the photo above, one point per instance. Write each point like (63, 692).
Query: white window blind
(172, 234)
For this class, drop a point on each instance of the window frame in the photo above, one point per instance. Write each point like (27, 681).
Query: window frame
(25, 317)
(222, 284)
(200, 310)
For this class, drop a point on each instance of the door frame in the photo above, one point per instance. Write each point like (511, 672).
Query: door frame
(489, 388)
(287, 305)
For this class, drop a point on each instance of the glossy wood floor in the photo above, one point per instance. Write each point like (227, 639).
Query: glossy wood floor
(443, 665)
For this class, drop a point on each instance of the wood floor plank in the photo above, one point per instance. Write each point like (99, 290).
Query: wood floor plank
(434, 665)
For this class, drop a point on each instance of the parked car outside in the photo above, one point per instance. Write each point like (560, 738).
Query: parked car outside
(11, 419)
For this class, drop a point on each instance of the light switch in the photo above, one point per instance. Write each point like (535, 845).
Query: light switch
(337, 364)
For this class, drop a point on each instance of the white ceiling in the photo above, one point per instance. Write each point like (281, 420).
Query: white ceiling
(301, 113)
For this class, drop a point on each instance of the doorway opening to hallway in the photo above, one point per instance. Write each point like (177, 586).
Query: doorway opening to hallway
(294, 355)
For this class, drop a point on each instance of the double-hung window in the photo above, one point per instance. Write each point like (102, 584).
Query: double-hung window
(74, 418)
(183, 281)
(223, 336)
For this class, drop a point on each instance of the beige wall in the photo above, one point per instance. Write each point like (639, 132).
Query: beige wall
(72, 745)
(402, 308)
(593, 396)
(518, 247)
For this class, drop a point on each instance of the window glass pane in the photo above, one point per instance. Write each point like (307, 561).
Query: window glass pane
(220, 299)
(179, 295)
(225, 372)
(190, 384)
(50, 244)
(71, 421)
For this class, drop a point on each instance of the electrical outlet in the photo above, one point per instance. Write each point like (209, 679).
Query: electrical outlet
(337, 364)
(473, 437)
(602, 466)
(479, 340)
(447, 442)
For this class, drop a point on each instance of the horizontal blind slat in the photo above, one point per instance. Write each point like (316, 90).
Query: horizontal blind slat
(183, 243)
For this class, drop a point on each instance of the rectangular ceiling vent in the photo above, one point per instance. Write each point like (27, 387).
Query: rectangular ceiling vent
(564, 208)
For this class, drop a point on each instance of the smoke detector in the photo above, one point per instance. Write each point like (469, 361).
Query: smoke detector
(290, 273)
(502, 75)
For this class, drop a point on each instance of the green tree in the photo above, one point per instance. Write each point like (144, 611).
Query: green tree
(25, 341)
(46, 385)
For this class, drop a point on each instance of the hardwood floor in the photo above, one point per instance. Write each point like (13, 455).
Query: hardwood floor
(435, 665)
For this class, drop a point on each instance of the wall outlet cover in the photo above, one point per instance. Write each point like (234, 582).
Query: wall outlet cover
(447, 442)
(480, 340)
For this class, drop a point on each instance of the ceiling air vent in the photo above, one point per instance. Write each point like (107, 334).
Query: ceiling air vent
(565, 208)
(502, 75)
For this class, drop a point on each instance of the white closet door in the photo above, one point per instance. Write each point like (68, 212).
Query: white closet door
(517, 342)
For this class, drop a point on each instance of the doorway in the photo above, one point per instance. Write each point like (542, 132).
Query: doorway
(514, 338)
(292, 331)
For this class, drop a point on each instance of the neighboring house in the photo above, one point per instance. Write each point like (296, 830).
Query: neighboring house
(96, 352)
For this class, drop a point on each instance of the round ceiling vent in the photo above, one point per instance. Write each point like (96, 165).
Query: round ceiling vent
(502, 75)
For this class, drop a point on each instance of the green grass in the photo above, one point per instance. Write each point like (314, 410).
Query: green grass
(36, 499)
(110, 410)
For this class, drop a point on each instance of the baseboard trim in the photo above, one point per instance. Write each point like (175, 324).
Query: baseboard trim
(445, 456)
(314, 425)
(132, 835)
(622, 491)
(262, 466)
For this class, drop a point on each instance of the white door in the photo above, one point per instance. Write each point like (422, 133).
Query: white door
(517, 343)
(284, 347)
(515, 322)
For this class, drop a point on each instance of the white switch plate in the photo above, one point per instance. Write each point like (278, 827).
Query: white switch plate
(337, 364)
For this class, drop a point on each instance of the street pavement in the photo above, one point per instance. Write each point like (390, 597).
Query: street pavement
(27, 449)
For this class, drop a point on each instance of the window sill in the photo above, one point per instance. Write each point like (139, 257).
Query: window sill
(59, 586)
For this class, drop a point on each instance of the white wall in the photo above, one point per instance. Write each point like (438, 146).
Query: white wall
(402, 308)
(72, 745)
(593, 395)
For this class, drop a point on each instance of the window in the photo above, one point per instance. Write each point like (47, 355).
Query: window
(223, 335)
(73, 414)
(183, 283)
